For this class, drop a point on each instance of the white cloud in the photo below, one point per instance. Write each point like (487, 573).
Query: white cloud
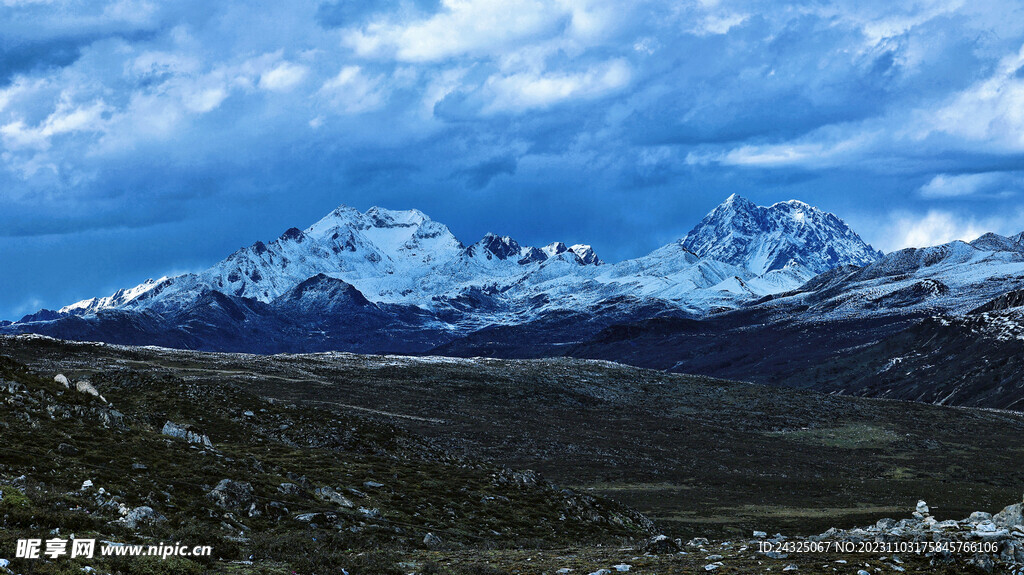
(989, 114)
(353, 91)
(66, 118)
(957, 185)
(481, 28)
(518, 92)
(827, 147)
(718, 24)
(906, 230)
(283, 77)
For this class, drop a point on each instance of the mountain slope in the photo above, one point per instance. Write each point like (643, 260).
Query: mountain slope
(786, 234)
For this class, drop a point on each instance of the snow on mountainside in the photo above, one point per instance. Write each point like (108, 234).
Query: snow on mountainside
(787, 234)
(950, 278)
(738, 252)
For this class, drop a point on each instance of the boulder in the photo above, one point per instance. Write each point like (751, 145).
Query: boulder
(432, 541)
(660, 544)
(139, 515)
(230, 494)
(332, 496)
(185, 432)
(1010, 516)
(289, 489)
(63, 380)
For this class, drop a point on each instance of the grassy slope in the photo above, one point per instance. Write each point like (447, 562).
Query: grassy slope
(703, 457)
(53, 439)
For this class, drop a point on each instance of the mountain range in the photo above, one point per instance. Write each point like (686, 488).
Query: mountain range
(768, 294)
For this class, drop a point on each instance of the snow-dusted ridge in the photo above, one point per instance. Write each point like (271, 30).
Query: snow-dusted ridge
(738, 252)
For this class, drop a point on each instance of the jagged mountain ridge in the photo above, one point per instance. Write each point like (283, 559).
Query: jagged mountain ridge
(785, 234)
(404, 257)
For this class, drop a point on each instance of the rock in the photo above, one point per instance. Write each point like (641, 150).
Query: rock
(67, 449)
(986, 527)
(332, 496)
(979, 516)
(4, 563)
(790, 567)
(85, 387)
(372, 485)
(229, 494)
(602, 572)
(1013, 552)
(760, 534)
(185, 432)
(862, 572)
(982, 561)
(1010, 516)
(139, 515)
(622, 567)
(660, 544)
(432, 541)
(697, 542)
(139, 466)
(61, 379)
(86, 484)
(289, 489)
(885, 524)
(564, 571)
(922, 508)
(713, 557)
(370, 513)
(248, 414)
(712, 566)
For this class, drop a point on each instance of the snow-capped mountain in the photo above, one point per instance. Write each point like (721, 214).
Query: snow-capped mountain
(403, 265)
(784, 235)
(404, 257)
(956, 277)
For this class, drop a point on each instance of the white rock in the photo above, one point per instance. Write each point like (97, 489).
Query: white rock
(622, 567)
(86, 484)
(790, 567)
(922, 507)
(760, 534)
(62, 379)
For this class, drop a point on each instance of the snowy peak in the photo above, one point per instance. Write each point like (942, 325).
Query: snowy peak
(586, 254)
(493, 246)
(503, 248)
(785, 235)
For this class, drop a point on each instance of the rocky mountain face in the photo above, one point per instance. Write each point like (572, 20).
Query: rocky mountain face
(785, 235)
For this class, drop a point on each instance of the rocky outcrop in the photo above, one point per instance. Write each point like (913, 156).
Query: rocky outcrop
(187, 433)
(233, 495)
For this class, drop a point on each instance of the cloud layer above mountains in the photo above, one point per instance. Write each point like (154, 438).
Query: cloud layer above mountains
(140, 137)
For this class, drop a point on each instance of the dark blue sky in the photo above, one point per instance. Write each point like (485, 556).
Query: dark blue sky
(141, 138)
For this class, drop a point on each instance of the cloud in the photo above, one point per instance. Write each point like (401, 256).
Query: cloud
(521, 92)
(353, 91)
(475, 28)
(282, 77)
(481, 174)
(935, 227)
(959, 185)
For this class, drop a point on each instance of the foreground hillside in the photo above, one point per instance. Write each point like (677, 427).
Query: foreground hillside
(133, 456)
(699, 456)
